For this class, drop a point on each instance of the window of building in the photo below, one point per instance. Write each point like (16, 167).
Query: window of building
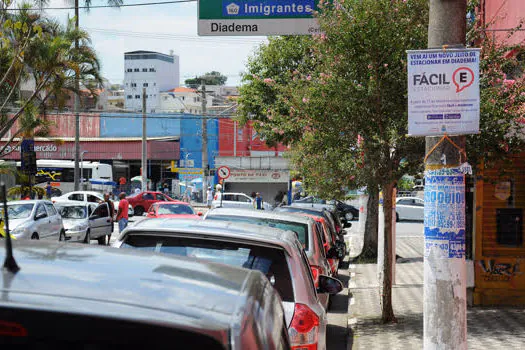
(152, 69)
(130, 70)
(129, 97)
(133, 84)
(154, 84)
(136, 70)
(145, 85)
(137, 96)
(144, 69)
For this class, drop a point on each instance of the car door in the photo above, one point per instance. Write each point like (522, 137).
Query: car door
(402, 209)
(147, 200)
(419, 209)
(42, 222)
(99, 221)
(54, 218)
(244, 201)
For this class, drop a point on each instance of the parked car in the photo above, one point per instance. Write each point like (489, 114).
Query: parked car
(86, 297)
(236, 200)
(276, 253)
(35, 219)
(306, 230)
(349, 211)
(143, 200)
(410, 208)
(176, 209)
(332, 206)
(87, 197)
(86, 221)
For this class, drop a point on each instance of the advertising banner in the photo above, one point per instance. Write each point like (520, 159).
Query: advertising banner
(443, 92)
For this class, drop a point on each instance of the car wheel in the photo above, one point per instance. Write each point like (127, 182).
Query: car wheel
(397, 217)
(87, 239)
(349, 216)
(139, 211)
(35, 236)
(62, 236)
(102, 240)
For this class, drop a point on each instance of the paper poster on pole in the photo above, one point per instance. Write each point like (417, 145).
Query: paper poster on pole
(443, 92)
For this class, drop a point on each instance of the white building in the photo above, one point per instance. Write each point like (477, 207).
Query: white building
(183, 100)
(151, 70)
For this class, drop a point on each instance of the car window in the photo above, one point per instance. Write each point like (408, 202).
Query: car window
(160, 197)
(73, 212)
(404, 202)
(270, 261)
(76, 197)
(320, 230)
(320, 239)
(41, 211)
(245, 199)
(301, 230)
(175, 209)
(19, 211)
(102, 210)
(147, 197)
(51, 211)
(228, 197)
(93, 199)
(419, 202)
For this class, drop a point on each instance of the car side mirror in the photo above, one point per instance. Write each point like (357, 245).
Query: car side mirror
(332, 253)
(329, 285)
(199, 213)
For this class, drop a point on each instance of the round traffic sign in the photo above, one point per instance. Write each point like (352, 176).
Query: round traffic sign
(223, 172)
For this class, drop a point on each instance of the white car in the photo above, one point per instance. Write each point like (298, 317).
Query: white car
(35, 219)
(87, 197)
(236, 200)
(410, 208)
(85, 221)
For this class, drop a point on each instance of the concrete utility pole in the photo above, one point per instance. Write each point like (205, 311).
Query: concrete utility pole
(445, 313)
(76, 172)
(143, 164)
(204, 143)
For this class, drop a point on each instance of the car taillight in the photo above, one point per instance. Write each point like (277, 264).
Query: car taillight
(316, 271)
(304, 329)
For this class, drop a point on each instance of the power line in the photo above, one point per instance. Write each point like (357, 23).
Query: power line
(102, 6)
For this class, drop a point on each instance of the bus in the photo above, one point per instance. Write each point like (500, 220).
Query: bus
(61, 174)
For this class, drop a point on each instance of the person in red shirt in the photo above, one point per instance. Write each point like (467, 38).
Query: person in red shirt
(122, 213)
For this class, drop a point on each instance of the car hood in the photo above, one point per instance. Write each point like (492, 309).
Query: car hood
(177, 216)
(14, 223)
(69, 223)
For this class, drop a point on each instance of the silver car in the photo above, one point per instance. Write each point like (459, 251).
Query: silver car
(304, 227)
(236, 200)
(275, 252)
(35, 219)
(85, 221)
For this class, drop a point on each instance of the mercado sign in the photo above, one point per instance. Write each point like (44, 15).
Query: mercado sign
(257, 17)
(443, 92)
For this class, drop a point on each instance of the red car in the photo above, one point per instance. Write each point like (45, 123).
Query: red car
(143, 200)
(328, 240)
(181, 210)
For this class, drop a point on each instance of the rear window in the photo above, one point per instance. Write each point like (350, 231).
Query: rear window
(301, 230)
(270, 261)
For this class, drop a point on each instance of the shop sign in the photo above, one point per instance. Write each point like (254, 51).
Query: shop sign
(237, 175)
(37, 148)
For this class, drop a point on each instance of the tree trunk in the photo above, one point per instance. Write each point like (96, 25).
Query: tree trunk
(369, 251)
(385, 276)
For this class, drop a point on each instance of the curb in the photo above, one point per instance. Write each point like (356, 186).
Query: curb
(352, 321)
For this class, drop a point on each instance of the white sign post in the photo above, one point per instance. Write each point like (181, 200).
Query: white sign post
(443, 92)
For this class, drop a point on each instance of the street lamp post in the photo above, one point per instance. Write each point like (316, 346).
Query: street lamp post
(82, 168)
(186, 178)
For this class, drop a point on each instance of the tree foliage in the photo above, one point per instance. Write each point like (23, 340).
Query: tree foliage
(210, 78)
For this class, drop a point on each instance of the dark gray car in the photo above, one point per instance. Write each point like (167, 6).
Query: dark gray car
(89, 297)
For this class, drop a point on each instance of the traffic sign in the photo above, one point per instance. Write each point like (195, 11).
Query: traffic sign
(257, 17)
(223, 172)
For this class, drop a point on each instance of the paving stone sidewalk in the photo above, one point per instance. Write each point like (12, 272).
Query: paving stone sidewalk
(488, 327)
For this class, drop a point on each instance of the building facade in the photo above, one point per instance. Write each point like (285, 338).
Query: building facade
(154, 71)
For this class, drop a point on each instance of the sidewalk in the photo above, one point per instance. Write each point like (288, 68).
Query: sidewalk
(488, 327)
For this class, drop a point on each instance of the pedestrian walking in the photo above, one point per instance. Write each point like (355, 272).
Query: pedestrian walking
(111, 212)
(122, 183)
(49, 189)
(166, 189)
(122, 213)
(258, 202)
(209, 196)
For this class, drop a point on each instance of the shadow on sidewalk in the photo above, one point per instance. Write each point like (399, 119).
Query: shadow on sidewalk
(338, 337)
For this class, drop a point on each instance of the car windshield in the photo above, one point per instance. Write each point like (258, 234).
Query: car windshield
(301, 230)
(72, 212)
(20, 211)
(168, 209)
(270, 261)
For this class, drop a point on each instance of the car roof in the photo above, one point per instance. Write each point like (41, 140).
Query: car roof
(226, 229)
(73, 203)
(304, 209)
(127, 284)
(83, 192)
(244, 194)
(266, 214)
(171, 203)
(399, 198)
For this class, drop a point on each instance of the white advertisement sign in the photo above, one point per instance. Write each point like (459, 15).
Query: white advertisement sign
(237, 175)
(443, 92)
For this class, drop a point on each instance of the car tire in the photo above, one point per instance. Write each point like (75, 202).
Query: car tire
(349, 216)
(87, 239)
(102, 240)
(35, 236)
(397, 217)
(62, 236)
(138, 211)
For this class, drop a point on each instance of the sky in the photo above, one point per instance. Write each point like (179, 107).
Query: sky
(159, 28)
